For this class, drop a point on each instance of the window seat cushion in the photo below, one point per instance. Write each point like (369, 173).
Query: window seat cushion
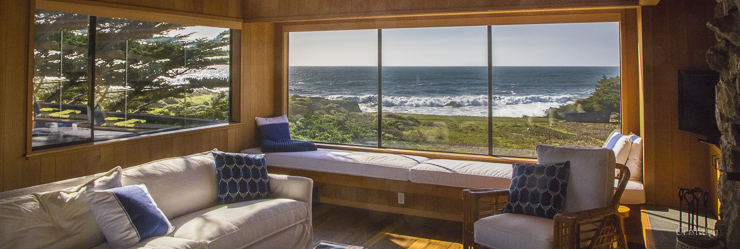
(634, 193)
(376, 165)
(462, 174)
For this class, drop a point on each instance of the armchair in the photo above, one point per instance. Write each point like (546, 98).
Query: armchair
(589, 220)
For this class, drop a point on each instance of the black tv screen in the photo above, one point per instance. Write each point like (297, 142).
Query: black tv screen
(696, 101)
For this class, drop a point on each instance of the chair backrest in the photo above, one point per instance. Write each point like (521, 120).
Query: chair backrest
(591, 181)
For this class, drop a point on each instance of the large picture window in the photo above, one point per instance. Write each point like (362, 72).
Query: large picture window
(492, 90)
(147, 77)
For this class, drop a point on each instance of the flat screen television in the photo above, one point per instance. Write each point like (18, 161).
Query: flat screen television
(696, 101)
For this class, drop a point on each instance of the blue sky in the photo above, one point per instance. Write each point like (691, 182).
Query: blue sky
(582, 44)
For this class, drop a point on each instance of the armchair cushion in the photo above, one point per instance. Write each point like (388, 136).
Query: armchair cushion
(515, 231)
(592, 183)
(537, 189)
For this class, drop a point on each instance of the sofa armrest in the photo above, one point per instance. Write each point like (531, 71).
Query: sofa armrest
(292, 187)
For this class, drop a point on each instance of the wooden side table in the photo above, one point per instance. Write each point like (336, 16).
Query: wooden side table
(624, 211)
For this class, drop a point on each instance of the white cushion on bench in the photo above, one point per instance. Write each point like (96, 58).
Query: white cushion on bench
(376, 165)
(463, 174)
(634, 193)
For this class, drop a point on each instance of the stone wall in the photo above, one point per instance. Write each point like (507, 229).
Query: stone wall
(724, 57)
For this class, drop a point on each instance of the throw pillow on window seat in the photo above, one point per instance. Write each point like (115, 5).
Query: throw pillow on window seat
(241, 177)
(275, 134)
(287, 146)
(275, 128)
(620, 144)
(538, 189)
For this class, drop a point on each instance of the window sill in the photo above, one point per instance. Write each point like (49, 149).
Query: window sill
(120, 141)
(432, 155)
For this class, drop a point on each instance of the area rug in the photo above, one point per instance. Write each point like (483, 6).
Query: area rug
(333, 245)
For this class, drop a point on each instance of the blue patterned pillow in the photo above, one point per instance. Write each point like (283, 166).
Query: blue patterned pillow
(538, 190)
(127, 215)
(241, 177)
(287, 146)
(275, 129)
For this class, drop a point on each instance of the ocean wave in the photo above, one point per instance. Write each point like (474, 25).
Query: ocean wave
(455, 101)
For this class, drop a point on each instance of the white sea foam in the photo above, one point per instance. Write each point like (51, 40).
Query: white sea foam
(503, 106)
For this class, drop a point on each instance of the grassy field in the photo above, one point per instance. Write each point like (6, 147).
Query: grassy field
(324, 121)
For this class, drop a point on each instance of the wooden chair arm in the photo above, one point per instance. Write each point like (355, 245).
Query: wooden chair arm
(479, 203)
(593, 228)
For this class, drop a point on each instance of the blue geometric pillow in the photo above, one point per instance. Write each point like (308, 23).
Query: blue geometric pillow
(127, 215)
(241, 177)
(538, 190)
(287, 146)
(275, 129)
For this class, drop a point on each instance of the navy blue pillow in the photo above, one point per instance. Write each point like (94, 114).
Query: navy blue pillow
(275, 129)
(287, 146)
(537, 189)
(241, 177)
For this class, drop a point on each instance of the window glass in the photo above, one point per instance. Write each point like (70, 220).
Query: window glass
(60, 81)
(333, 86)
(154, 76)
(554, 84)
(435, 89)
(149, 77)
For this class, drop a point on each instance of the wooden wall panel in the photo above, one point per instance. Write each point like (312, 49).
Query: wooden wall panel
(303, 10)
(674, 37)
(226, 8)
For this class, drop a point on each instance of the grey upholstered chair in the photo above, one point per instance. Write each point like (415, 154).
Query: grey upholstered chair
(589, 220)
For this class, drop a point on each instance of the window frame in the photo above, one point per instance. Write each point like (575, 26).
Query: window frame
(140, 14)
(629, 60)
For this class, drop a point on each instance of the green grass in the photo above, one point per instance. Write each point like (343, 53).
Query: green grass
(324, 121)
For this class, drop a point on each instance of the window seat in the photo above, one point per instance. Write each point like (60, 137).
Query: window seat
(416, 169)
(634, 193)
(367, 164)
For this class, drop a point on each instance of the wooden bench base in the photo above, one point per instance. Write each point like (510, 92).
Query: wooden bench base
(425, 200)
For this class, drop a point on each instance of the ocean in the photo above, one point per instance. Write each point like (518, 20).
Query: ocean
(451, 91)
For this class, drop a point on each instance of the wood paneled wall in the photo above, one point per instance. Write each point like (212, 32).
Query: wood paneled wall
(225, 8)
(19, 168)
(674, 37)
(294, 10)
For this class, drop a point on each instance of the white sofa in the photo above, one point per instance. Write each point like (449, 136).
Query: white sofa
(416, 169)
(184, 188)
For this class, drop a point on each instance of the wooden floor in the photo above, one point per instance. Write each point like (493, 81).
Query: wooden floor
(378, 230)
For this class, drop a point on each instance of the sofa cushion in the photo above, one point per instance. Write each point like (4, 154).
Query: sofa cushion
(376, 165)
(163, 242)
(515, 231)
(237, 225)
(241, 177)
(60, 218)
(591, 184)
(538, 189)
(178, 185)
(462, 174)
(127, 215)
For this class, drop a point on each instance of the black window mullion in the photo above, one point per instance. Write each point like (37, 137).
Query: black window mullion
(380, 88)
(490, 91)
(91, 46)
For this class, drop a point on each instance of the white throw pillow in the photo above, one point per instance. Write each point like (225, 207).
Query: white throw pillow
(621, 146)
(635, 158)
